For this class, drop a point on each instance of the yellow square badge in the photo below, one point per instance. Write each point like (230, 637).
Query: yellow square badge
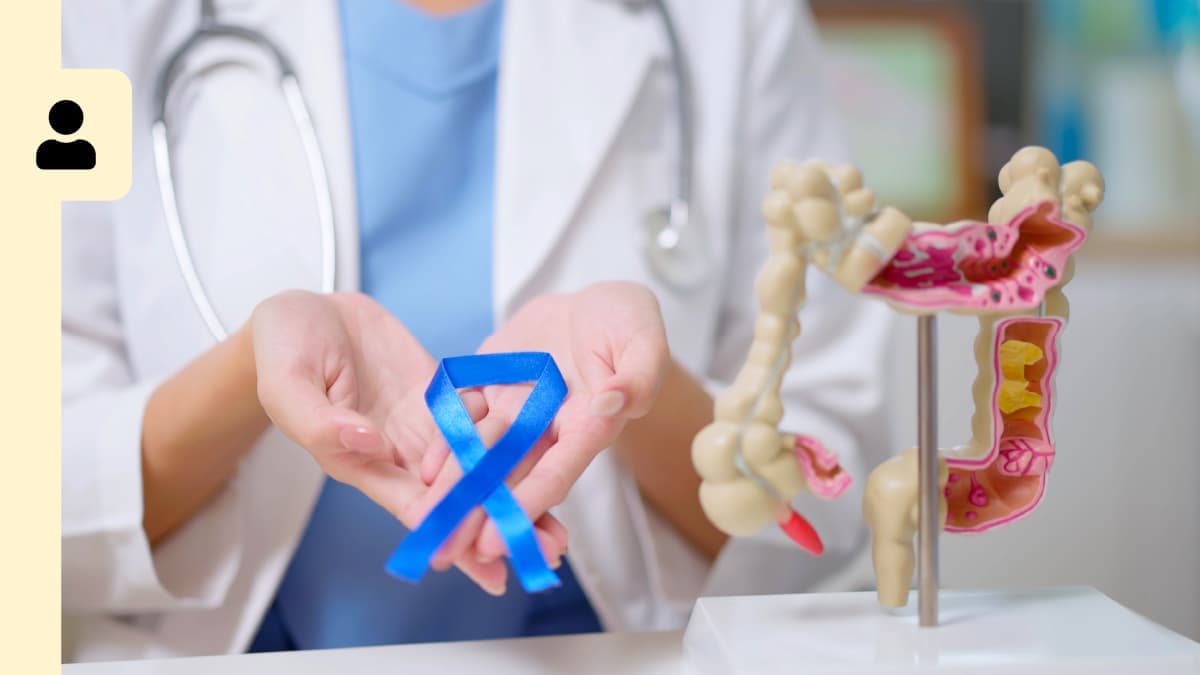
(78, 134)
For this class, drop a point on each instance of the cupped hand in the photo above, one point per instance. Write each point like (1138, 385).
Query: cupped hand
(345, 380)
(610, 344)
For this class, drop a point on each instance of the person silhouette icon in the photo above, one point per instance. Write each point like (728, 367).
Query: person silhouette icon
(66, 117)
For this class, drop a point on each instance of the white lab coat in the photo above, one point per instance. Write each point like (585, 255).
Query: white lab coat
(585, 147)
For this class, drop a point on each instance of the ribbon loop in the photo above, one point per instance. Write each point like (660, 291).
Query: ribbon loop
(484, 470)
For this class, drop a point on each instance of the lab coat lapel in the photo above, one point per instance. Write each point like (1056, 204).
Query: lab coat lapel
(569, 74)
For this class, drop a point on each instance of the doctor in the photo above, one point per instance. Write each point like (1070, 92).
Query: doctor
(497, 157)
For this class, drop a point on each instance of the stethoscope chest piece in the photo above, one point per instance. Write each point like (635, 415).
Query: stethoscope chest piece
(674, 249)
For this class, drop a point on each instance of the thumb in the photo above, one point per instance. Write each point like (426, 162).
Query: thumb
(629, 386)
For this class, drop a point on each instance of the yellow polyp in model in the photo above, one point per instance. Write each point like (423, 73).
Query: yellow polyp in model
(1015, 356)
(1015, 395)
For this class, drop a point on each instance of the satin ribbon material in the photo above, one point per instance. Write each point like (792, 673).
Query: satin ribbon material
(484, 470)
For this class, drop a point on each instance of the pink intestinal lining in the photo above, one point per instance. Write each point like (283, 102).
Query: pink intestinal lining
(1014, 469)
(975, 266)
(825, 476)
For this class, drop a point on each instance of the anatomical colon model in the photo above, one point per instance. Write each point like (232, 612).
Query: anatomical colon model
(1009, 272)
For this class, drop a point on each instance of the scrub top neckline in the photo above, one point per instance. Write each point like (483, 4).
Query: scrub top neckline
(442, 54)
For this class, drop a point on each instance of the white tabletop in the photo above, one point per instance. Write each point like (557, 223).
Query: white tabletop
(1054, 630)
(595, 654)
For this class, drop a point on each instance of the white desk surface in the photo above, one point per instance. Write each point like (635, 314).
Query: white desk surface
(1073, 630)
(596, 654)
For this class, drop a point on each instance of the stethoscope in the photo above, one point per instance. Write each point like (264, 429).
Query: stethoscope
(672, 248)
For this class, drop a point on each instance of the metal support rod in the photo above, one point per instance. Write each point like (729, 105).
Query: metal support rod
(927, 462)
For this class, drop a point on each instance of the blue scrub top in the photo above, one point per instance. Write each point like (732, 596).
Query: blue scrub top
(422, 92)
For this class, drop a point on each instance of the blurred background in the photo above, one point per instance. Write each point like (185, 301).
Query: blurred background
(937, 96)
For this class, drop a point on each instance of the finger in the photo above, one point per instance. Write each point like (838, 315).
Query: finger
(552, 542)
(433, 461)
(552, 535)
(438, 450)
(504, 404)
(396, 490)
(547, 483)
(554, 527)
(619, 346)
(627, 386)
(300, 408)
(455, 548)
(490, 429)
(411, 429)
(550, 532)
(390, 486)
(492, 576)
(461, 543)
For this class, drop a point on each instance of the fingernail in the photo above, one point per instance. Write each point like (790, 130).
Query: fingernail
(557, 563)
(360, 439)
(496, 591)
(608, 403)
(484, 559)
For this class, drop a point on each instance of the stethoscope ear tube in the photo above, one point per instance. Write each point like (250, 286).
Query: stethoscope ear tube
(302, 118)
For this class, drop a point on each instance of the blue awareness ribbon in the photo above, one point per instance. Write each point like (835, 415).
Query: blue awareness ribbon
(484, 470)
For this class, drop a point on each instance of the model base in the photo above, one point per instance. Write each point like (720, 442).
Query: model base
(1059, 630)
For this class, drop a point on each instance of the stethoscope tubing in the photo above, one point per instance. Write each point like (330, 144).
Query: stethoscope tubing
(679, 207)
(314, 158)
